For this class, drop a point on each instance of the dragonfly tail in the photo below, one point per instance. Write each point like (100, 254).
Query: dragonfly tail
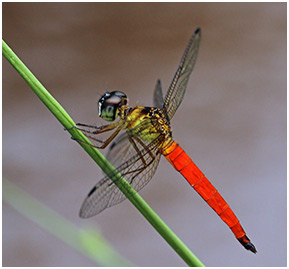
(245, 241)
(183, 163)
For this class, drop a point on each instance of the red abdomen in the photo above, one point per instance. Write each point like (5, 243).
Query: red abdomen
(183, 163)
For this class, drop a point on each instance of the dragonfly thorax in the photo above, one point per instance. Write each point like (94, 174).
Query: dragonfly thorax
(148, 123)
(110, 103)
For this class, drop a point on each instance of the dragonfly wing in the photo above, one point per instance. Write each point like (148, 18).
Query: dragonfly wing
(178, 86)
(138, 171)
(158, 95)
(120, 149)
(127, 144)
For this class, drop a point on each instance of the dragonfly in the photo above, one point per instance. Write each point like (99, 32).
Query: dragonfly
(139, 138)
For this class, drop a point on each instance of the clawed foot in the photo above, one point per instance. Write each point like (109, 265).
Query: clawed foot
(97, 129)
(88, 134)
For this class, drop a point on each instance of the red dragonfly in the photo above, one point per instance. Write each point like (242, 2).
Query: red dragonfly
(146, 135)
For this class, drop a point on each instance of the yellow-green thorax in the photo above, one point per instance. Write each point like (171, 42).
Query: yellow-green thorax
(147, 123)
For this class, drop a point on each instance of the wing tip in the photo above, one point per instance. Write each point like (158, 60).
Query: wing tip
(198, 30)
(85, 213)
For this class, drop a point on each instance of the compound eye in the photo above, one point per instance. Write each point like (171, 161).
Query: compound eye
(121, 95)
(108, 112)
(110, 103)
(113, 100)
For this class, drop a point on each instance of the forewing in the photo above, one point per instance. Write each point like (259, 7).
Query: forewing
(158, 95)
(127, 144)
(178, 86)
(138, 171)
(120, 149)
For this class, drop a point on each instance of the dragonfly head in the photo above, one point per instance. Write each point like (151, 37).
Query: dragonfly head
(110, 103)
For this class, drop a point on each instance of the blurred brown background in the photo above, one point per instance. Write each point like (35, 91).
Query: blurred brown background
(232, 123)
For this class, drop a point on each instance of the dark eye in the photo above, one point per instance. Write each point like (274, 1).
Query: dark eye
(117, 96)
(110, 103)
(108, 112)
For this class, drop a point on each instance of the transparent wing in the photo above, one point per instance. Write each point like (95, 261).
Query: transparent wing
(137, 170)
(178, 86)
(158, 95)
(120, 149)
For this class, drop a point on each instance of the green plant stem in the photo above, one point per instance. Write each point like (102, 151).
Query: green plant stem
(124, 186)
(78, 239)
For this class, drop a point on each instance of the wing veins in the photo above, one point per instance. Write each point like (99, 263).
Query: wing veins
(176, 91)
(106, 194)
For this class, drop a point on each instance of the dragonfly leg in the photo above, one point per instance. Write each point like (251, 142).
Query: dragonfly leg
(91, 137)
(115, 133)
(145, 163)
(107, 141)
(88, 125)
(139, 171)
(99, 129)
(144, 146)
(82, 142)
(103, 144)
(131, 139)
